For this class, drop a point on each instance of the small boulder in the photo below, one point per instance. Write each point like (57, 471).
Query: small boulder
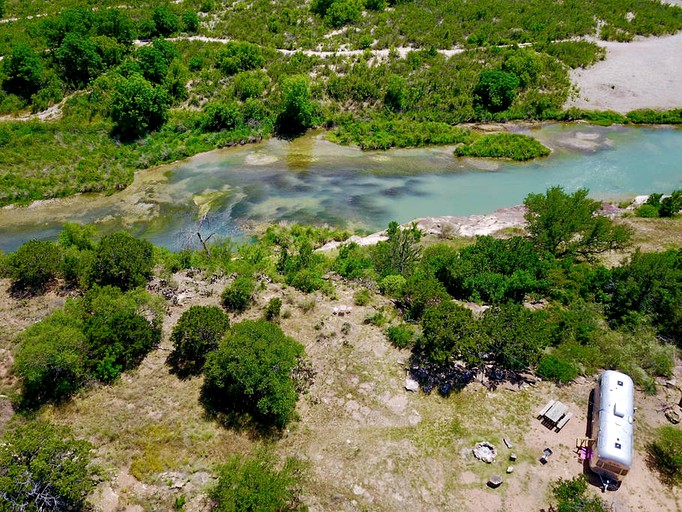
(411, 384)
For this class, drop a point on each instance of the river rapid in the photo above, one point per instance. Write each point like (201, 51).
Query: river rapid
(310, 180)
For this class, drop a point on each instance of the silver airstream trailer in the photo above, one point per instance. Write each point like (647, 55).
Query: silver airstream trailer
(612, 426)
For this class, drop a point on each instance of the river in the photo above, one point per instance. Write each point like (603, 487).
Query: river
(310, 180)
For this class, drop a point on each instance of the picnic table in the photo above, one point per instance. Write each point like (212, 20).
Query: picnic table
(555, 414)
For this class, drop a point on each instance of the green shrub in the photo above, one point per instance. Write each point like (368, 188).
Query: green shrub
(44, 468)
(554, 368)
(273, 309)
(647, 211)
(118, 336)
(362, 297)
(190, 21)
(447, 332)
(137, 107)
(123, 261)
(572, 496)
(495, 90)
(665, 453)
(352, 261)
(401, 336)
(251, 372)
(165, 21)
(239, 56)
(237, 296)
(197, 333)
(51, 359)
(392, 286)
(254, 484)
(306, 280)
(33, 265)
(504, 145)
(220, 116)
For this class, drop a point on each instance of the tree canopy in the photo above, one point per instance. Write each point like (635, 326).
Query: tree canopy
(567, 225)
(43, 468)
(251, 372)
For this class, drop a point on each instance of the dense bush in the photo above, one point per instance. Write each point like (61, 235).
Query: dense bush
(400, 253)
(137, 107)
(33, 265)
(496, 90)
(273, 309)
(665, 453)
(237, 296)
(554, 368)
(197, 333)
(504, 145)
(23, 69)
(239, 56)
(165, 21)
(400, 336)
(352, 262)
(447, 332)
(297, 111)
(255, 484)
(220, 116)
(122, 260)
(572, 496)
(649, 284)
(251, 372)
(44, 469)
(118, 335)
(51, 359)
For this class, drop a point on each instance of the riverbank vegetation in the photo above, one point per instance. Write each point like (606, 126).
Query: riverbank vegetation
(542, 303)
(78, 79)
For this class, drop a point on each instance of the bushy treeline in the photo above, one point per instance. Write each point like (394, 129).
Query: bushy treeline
(442, 24)
(169, 100)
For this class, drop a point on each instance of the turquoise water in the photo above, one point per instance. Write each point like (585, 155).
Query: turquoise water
(311, 180)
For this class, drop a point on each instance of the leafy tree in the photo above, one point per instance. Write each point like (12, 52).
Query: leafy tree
(341, 12)
(220, 116)
(33, 265)
(190, 21)
(420, 293)
(138, 107)
(649, 284)
(495, 271)
(447, 332)
(110, 51)
(557, 369)
(123, 261)
(118, 334)
(523, 63)
(78, 60)
(496, 90)
(353, 261)
(400, 253)
(43, 468)
(197, 333)
(238, 295)
(250, 84)
(255, 485)
(116, 24)
(297, 111)
(251, 372)
(396, 95)
(239, 56)
(571, 496)
(665, 452)
(671, 205)
(51, 359)
(152, 64)
(568, 225)
(515, 335)
(23, 68)
(165, 21)
(77, 21)
(273, 309)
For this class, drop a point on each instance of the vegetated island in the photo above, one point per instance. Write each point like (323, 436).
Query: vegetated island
(224, 375)
(91, 94)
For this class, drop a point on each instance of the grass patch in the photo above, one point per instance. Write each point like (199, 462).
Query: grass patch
(383, 134)
(504, 145)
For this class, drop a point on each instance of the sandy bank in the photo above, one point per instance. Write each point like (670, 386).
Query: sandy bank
(646, 73)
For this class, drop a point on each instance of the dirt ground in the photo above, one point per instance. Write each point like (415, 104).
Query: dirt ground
(646, 73)
(369, 444)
